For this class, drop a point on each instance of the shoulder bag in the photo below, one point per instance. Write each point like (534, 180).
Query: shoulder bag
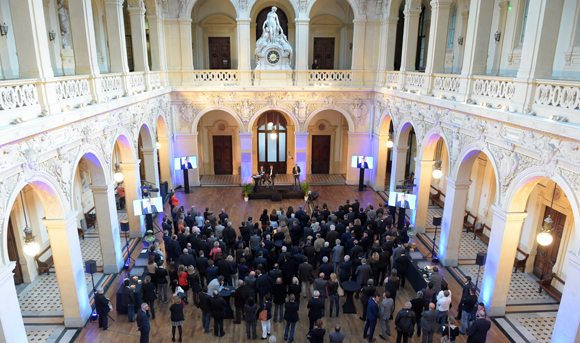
(263, 315)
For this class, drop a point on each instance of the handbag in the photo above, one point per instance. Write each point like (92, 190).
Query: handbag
(447, 338)
(340, 291)
(110, 305)
(263, 315)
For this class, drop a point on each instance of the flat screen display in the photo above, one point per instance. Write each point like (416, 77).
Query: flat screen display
(147, 206)
(362, 162)
(189, 162)
(403, 200)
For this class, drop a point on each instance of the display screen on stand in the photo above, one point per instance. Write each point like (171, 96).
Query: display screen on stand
(403, 200)
(147, 206)
(362, 162)
(188, 162)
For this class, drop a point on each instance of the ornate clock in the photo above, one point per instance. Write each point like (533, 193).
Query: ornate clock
(273, 57)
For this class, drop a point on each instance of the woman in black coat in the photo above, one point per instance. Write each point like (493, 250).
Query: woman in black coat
(264, 218)
(250, 318)
(405, 323)
(177, 317)
(194, 284)
(317, 333)
(149, 294)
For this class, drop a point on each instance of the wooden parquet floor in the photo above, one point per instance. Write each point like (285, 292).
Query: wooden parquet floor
(230, 198)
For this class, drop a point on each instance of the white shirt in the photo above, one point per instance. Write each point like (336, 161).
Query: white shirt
(443, 304)
(441, 295)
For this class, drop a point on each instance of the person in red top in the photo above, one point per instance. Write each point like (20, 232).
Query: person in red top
(174, 200)
(121, 193)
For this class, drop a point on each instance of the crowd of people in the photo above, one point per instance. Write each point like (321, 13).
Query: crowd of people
(286, 256)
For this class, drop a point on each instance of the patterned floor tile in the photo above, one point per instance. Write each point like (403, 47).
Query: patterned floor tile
(468, 249)
(91, 250)
(540, 327)
(38, 336)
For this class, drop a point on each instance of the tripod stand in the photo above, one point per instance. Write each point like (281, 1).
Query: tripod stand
(128, 260)
(437, 223)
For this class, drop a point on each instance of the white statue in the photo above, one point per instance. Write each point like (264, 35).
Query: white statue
(272, 26)
(273, 51)
(64, 24)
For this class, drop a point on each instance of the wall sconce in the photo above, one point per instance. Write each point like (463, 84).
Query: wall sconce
(3, 29)
(545, 236)
(118, 176)
(52, 35)
(497, 36)
(31, 248)
(460, 40)
(350, 45)
(437, 173)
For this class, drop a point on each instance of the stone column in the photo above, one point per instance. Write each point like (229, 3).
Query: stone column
(11, 322)
(116, 36)
(567, 326)
(186, 51)
(70, 269)
(83, 35)
(31, 39)
(410, 32)
(358, 51)
(109, 234)
(438, 35)
(423, 171)
(301, 152)
(166, 160)
(157, 41)
(387, 46)
(301, 54)
(480, 169)
(461, 51)
(452, 223)
(132, 184)
(501, 252)
(247, 163)
(398, 166)
(54, 46)
(244, 51)
(150, 162)
(477, 38)
(503, 9)
(138, 37)
(380, 152)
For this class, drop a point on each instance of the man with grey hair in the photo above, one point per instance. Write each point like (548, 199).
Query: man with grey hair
(143, 323)
(443, 308)
(336, 336)
(102, 307)
(229, 234)
(326, 268)
(386, 309)
(337, 254)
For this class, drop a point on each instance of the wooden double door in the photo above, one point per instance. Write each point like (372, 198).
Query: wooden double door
(219, 53)
(547, 255)
(222, 155)
(320, 154)
(13, 254)
(324, 52)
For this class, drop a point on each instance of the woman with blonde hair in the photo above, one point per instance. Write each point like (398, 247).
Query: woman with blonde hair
(295, 289)
(333, 293)
(215, 250)
(151, 265)
(177, 317)
(194, 284)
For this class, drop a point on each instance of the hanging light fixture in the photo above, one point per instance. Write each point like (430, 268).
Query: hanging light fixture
(118, 174)
(390, 142)
(31, 248)
(273, 135)
(545, 236)
(157, 145)
(437, 173)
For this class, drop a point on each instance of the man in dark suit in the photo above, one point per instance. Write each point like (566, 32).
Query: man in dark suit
(291, 317)
(166, 226)
(205, 307)
(466, 288)
(306, 277)
(372, 316)
(345, 269)
(362, 163)
(240, 297)
(129, 300)
(436, 278)
(143, 323)
(362, 273)
(336, 336)
(296, 172)
(429, 323)
(477, 332)
(218, 311)
(316, 308)
(102, 307)
(185, 164)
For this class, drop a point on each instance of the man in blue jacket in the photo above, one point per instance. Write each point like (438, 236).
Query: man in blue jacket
(372, 316)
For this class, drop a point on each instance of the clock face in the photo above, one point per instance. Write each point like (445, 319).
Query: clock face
(273, 57)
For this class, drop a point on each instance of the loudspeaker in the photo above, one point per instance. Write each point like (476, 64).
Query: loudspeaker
(91, 266)
(124, 226)
(437, 220)
(315, 195)
(480, 259)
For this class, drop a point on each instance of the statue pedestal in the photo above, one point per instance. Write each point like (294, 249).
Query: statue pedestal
(273, 78)
(68, 61)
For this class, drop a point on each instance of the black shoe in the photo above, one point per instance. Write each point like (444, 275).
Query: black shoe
(264, 337)
(173, 339)
(383, 337)
(223, 334)
(255, 337)
(330, 316)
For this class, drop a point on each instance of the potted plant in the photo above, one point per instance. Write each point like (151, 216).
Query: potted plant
(306, 188)
(149, 237)
(246, 190)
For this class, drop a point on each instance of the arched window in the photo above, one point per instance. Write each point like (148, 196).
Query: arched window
(451, 35)
(525, 22)
(272, 137)
(422, 40)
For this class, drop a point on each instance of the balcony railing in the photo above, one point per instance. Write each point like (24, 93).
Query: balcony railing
(334, 77)
(216, 77)
(18, 93)
(494, 87)
(136, 82)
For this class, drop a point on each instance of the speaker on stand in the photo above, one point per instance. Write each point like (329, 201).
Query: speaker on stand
(480, 261)
(91, 268)
(125, 229)
(437, 223)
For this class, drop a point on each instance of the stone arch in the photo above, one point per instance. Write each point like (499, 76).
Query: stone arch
(286, 6)
(429, 143)
(50, 194)
(402, 132)
(197, 118)
(383, 124)
(97, 165)
(345, 114)
(126, 147)
(161, 126)
(148, 136)
(286, 112)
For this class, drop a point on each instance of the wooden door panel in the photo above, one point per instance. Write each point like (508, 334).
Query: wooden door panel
(222, 155)
(13, 254)
(320, 154)
(219, 53)
(324, 52)
(547, 255)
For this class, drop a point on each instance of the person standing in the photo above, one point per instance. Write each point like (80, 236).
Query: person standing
(266, 320)
(240, 296)
(291, 317)
(429, 323)
(279, 293)
(466, 288)
(296, 172)
(386, 309)
(121, 194)
(102, 307)
(316, 309)
(250, 318)
(149, 295)
(405, 323)
(317, 333)
(306, 276)
(372, 316)
(177, 317)
(333, 293)
(443, 305)
(205, 307)
(218, 311)
(143, 323)
(418, 305)
(477, 332)
(161, 279)
(367, 293)
(467, 306)
(336, 336)
(129, 300)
